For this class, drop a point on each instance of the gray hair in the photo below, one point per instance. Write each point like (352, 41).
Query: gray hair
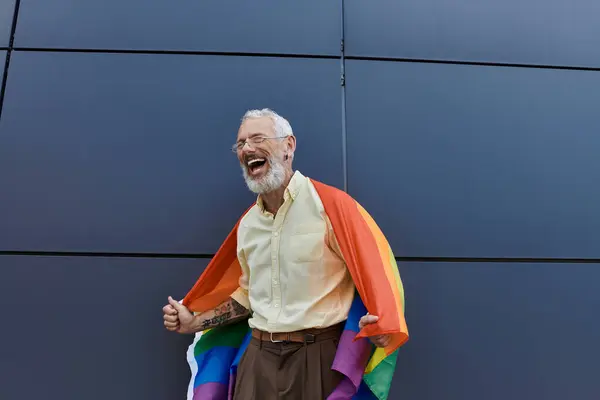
(281, 125)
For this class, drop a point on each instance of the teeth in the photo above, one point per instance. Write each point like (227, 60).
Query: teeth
(252, 162)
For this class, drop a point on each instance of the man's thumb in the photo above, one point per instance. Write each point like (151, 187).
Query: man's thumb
(176, 304)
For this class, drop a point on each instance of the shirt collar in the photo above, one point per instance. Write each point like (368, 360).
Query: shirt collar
(291, 191)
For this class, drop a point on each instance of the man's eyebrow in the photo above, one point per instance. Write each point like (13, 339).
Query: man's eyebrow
(254, 134)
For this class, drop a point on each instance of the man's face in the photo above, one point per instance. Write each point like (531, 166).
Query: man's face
(261, 163)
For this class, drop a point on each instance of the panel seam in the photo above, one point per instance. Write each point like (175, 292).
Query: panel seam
(103, 254)
(9, 51)
(174, 52)
(505, 260)
(472, 63)
(343, 95)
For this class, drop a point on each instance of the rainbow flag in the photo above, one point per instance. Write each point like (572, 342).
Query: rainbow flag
(368, 371)
(213, 357)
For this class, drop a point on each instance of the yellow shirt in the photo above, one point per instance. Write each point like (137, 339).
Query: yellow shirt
(293, 273)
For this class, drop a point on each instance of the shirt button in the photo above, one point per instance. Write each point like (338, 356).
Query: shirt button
(276, 234)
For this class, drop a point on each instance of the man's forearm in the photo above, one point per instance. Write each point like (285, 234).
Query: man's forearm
(226, 313)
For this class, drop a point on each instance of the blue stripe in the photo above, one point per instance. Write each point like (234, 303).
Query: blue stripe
(364, 393)
(240, 352)
(357, 310)
(213, 365)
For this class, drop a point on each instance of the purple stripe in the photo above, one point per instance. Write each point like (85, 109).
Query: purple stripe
(345, 390)
(350, 360)
(232, 378)
(210, 391)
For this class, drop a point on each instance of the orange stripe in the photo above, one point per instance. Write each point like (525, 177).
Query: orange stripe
(384, 254)
(392, 277)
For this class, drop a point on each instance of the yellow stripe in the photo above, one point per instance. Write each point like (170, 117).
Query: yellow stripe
(398, 279)
(377, 357)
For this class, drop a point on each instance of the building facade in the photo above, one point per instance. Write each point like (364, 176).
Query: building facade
(469, 130)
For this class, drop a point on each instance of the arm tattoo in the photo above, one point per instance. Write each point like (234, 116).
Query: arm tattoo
(239, 309)
(227, 312)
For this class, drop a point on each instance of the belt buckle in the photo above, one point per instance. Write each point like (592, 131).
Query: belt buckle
(309, 338)
(275, 341)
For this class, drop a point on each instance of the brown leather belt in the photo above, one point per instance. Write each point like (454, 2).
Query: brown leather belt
(304, 336)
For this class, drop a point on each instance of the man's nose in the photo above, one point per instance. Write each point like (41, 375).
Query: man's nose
(247, 148)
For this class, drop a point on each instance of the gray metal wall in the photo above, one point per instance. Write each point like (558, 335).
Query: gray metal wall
(469, 130)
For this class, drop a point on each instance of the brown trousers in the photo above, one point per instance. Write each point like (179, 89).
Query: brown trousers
(288, 371)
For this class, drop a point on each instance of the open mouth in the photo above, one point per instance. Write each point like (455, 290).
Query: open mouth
(256, 166)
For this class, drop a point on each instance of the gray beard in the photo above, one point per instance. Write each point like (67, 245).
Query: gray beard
(272, 180)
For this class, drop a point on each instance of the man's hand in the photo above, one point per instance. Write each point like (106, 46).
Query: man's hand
(177, 317)
(379, 340)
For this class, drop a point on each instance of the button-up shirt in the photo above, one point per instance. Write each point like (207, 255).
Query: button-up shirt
(293, 273)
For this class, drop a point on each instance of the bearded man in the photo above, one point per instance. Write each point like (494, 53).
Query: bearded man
(294, 285)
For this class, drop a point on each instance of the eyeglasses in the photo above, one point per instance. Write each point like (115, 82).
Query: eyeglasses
(252, 141)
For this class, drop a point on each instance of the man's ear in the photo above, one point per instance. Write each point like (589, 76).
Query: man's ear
(291, 144)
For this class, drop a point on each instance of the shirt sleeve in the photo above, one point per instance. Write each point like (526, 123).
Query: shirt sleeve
(241, 293)
(332, 240)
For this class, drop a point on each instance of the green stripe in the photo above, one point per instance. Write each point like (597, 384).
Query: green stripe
(227, 336)
(380, 379)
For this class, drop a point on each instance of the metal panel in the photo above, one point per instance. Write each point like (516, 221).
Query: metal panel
(91, 328)
(258, 26)
(499, 331)
(131, 153)
(471, 161)
(548, 32)
(7, 11)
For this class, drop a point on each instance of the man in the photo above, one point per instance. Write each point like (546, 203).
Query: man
(294, 281)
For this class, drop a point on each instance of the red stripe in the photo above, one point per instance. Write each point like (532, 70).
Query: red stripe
(217, 282)
(361, 254)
